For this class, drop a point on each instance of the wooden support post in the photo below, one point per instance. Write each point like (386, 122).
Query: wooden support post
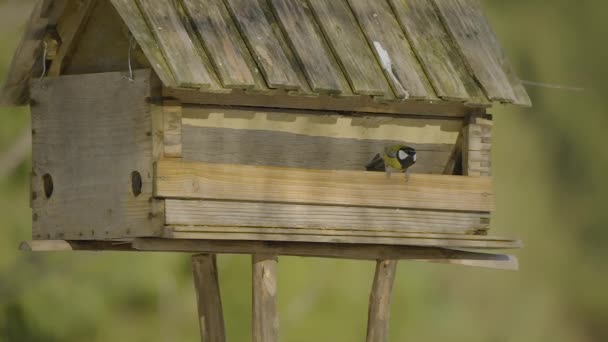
(265, 318)
(211, 317)
(379, 312)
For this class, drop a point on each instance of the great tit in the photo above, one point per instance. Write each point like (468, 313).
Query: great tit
(394, 158)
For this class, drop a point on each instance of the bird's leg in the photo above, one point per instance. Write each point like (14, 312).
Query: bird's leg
(388, 170)
(407, 175)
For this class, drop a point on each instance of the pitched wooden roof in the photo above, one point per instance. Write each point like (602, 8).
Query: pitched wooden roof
(393, 50)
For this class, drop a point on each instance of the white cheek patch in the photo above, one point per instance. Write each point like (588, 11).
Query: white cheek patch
(401, 155)
(414, 157)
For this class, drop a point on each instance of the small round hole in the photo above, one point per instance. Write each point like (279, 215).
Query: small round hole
(136, 183)
(47, 182)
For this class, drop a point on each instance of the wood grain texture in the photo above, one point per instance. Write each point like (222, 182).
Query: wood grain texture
(172, 129)
(223, 43)
(275, 184)
(392, 49)
(350, 47)
(318, 63)
(477, 148)
(90, 145)
(70, 28)
(132, 16)
(189, 233)
(27, 60)
(265, 41)
(72, 245)
(379, 311)
(294, 216)
(464, 20)
(265, 318)
(432, 44)
(177, 46)
(209, 301)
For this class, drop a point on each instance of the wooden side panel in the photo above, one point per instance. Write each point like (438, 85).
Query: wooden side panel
(275, 60)
(464, 20)
(222, 42)
(392, 49)
(303, 216)
(350, 47)
(175, 43)
(91, 134)
(132, 16)
(318, 63)
(312, 140)
(477, 136)
(177, 179)
(172, 129)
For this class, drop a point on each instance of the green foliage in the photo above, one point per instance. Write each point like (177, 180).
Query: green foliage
(550, 165)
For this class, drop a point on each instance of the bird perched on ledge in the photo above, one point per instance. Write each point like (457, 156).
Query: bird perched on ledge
(396, 157)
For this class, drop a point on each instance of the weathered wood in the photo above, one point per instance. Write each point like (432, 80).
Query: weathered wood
(222, 233)
(477, 147)
(132, 16)
(318, 63)
(294, 216)
(64, 245)
(177, 179)
(27, 60)
(209, 301)
(331, 250)
(89, 148)
(392, 49)
(348, 43)
(313, 140)
(464, 20)
(258, 28)
(223, 43)
(70, 28)
(177, 46)
(432, 44)
(379, 312)
(172, 129)
(359, 104)
(265, 318)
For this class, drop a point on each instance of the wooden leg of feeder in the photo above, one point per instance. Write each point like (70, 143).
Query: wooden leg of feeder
(265, 318)
(206, 282)
(380, 301)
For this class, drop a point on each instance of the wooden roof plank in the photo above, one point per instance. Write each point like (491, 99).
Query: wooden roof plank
(318, 63)
(392, 48)
(222, 42)
(132, 16)
(177, 46)
(350, 47)
(256, 24)
(463, 20)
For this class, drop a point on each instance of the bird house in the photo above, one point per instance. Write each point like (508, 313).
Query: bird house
(247, 125)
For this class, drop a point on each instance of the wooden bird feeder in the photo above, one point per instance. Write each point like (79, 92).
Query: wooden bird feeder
(244, 126)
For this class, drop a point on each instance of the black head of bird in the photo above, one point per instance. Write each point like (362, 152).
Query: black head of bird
(406, 157)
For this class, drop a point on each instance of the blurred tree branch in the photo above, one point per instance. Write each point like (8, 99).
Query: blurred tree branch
(16, 154)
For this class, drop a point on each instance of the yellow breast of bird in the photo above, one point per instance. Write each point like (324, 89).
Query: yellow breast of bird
(391, 162)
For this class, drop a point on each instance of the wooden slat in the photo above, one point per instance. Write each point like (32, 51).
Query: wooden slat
(464, 20)
(70, 28)
(27, 60)
(379, 312)
(477, 148)
(350, 47)
(222, 42)
(278, 215)
(265, 319)
(392, 49)
(172, 129)
(177, 46)
(90, 145)
(432, 45)
(209, 301)
(318, 63)
(257, 25)
(131, 15)
(330, 250)
(274, 184)
(65, 246)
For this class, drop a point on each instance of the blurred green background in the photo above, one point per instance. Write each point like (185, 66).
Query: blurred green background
(550, 165)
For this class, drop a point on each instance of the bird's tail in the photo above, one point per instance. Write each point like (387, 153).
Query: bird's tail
(376, 164)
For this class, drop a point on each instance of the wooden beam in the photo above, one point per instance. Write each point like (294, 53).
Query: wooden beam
(331, 250)
(265, 320)
(172, 129)
(477, 147)
(71, 245)
(206, 282)
(177, 179)
(379, 312)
